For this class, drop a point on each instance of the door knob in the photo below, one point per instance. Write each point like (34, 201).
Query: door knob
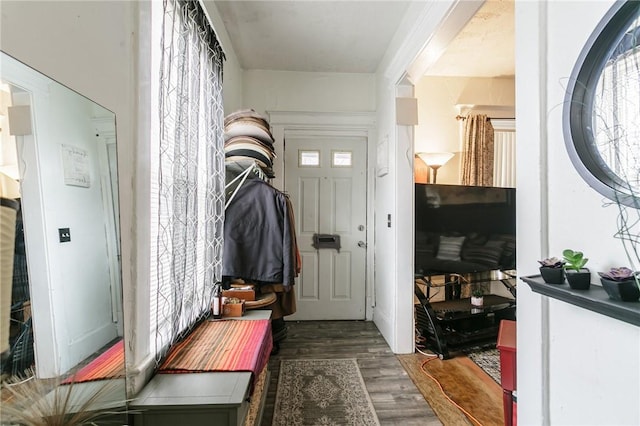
(362, 244)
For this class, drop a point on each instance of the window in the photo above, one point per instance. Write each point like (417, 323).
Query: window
(187, 163)
(600, 116)
(341, 158)
(309, 158)
(616, 121)
(504, 153)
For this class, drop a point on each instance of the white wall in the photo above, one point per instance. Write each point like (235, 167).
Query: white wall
(420, 31)
(575, 367)
(289, 91)
(232, 78)
(439, 99)
(308, 91)
(385, 200)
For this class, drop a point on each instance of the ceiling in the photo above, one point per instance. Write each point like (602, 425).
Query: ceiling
(352, 36)
(485, 47)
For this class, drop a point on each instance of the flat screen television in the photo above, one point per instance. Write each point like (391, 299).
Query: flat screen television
(484, 216)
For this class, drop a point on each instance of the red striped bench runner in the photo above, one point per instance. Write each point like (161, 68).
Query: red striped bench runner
(226, 345)
(109, 365)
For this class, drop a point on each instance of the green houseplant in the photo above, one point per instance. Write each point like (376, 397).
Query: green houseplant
(578, 277)
(621, 284)
(552, 270)
(477, 297)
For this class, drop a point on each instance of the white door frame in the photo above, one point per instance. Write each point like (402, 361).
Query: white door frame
(106, 138)
(360, 124)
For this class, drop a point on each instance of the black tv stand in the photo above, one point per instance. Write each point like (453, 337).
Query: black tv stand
(453, 325)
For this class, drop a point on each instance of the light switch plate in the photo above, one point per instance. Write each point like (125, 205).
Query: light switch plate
(65, 235)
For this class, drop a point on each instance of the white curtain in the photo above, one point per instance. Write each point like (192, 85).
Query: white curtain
(187, 174)
(504, 158)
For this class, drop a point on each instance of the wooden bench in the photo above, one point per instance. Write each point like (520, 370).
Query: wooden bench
(204, 397)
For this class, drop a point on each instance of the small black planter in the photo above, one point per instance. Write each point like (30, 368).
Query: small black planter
(624, 291)
(579, 280)
(552, 275)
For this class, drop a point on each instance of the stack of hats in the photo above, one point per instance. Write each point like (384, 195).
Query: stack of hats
(247, 137)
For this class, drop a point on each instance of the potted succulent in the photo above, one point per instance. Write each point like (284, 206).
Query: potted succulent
(552, 270)
(578, 277)
(477, 297)
(621, 284)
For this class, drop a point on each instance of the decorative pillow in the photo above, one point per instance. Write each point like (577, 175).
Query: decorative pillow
(450, 248)
(485, 255)
(495, 243)
(508, 249)
(476, 239)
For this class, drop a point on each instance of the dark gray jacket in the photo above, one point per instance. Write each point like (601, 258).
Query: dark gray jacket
(258, 236)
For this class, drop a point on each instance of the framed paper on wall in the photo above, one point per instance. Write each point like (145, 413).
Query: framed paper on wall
(75, 163)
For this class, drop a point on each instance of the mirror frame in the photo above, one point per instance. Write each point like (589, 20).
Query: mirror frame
(577, 116)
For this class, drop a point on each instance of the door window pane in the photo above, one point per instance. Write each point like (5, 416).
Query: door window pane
(309, 158)
(341, 158)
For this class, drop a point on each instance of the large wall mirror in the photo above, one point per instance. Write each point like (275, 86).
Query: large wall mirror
(62, 299)
(601, 113)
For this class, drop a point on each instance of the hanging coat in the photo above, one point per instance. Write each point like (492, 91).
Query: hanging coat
(258, 235)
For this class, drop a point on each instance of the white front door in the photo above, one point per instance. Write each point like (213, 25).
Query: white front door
(325, 177)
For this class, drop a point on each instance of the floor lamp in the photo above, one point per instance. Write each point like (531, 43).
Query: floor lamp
(421, 172)
(435, 160)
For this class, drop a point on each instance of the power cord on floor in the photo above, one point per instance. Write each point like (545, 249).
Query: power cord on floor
(465, 412)
(426, 354)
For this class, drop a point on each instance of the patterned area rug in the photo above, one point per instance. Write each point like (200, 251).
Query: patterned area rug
(488, 360)
(322, 392)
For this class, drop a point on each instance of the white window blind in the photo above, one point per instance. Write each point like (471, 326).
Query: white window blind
(187, 171)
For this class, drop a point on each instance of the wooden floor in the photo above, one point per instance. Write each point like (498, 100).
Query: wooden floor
(395, 398)
(391, 380)
(466, 384)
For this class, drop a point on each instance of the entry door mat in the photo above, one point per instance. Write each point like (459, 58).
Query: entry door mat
(488, 360)
(322, 392)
